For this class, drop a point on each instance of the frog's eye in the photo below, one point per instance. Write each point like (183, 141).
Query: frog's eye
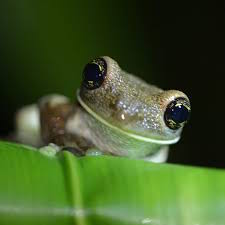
(177, 113)
(94, 73)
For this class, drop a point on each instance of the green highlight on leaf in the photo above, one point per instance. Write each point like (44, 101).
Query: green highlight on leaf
(101, 190)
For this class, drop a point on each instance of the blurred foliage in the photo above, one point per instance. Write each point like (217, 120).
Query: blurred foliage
(51, 42)
(63, 189)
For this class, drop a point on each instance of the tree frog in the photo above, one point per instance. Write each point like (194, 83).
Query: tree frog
(116, 113)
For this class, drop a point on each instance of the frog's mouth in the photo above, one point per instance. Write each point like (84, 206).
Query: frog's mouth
(135, 136)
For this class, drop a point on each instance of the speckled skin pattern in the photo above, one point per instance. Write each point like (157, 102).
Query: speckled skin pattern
(131, 104)
(124, 116)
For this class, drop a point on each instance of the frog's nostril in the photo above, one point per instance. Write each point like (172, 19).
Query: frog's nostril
(94, 73)
(177, 113)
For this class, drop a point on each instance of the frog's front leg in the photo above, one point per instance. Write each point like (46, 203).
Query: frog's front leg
(43, 123)
(48, 122)
(57, 116)
(54, 111)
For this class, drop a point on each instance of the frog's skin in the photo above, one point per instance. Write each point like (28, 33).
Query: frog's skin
(119, 114)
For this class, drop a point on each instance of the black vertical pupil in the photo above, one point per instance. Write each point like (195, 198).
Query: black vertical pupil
(94, 74)
(177, 113)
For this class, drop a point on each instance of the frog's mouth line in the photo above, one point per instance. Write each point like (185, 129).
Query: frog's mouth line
(138, 137)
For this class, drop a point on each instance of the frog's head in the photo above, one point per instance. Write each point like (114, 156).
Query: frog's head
(130, 104)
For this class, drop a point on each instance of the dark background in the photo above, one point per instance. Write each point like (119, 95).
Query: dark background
(173, 44)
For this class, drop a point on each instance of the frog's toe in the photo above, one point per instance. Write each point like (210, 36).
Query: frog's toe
(79, 152)
(94, 152)
(50, 150)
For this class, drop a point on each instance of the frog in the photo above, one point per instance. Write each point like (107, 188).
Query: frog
(115, 113)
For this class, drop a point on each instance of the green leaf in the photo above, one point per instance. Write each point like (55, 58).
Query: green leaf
(63, 189)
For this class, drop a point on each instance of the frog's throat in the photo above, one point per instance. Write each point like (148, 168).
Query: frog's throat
(135, 136)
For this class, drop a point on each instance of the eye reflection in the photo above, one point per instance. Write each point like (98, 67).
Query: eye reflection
(177, 113)
(94, 73)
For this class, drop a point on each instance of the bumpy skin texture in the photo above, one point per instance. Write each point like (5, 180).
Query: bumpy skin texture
(131, 104)
(123, 116)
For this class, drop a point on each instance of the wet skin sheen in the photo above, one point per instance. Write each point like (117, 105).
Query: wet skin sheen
(116, 113)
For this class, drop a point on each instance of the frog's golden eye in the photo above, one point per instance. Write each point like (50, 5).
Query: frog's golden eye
(94, 73)
(177, 113)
